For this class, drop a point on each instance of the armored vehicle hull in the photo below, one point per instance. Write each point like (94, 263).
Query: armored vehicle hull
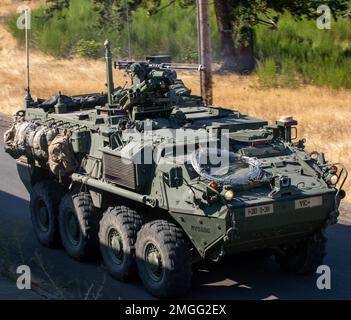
(157, 180)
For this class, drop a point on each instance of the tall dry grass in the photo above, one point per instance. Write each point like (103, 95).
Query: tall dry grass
(324, 115)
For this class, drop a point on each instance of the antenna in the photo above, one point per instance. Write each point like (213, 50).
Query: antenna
(109, 72)
(28, 98)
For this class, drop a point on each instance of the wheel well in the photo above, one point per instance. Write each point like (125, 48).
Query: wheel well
(149, 214)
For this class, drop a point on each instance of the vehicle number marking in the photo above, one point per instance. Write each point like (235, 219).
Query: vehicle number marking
(308, 203)
(259, 210)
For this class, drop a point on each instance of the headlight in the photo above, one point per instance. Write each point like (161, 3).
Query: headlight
(229, 195)
(314, 155)
(284, 181)
(334, 179)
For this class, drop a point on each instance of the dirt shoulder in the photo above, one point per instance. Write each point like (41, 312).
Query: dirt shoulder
(5, 120)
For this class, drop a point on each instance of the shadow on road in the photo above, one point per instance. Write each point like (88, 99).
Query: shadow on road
(239, 277)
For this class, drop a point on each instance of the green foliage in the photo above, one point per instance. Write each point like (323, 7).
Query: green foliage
(267, 73)
(167, 32)
(294, 53)
(301, 53)
(88, 49)
(61, 34)
(245, 14)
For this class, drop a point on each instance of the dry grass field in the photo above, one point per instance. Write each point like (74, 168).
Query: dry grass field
(324, 115)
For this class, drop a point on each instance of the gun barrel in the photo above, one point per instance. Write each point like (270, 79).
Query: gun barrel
(122, 65)
(180, 66)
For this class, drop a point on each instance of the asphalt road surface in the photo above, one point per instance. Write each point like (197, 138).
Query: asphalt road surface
(240, 278)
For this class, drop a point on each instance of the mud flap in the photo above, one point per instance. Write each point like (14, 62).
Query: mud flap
(25, 172)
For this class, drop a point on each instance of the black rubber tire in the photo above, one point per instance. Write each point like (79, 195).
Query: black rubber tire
(79, 207)
(46, 196)
(176, 262)
(125, 223)
(304, 257)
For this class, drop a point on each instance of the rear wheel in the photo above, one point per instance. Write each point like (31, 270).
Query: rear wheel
(118, 231)
(44, 202)
(304, 257)
(79, 223)
(163, 259)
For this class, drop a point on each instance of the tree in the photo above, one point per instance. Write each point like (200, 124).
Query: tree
(236, 20)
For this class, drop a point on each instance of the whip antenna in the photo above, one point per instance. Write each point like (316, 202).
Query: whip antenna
(28, 99)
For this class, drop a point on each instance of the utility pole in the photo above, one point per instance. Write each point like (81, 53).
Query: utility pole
(204, 23)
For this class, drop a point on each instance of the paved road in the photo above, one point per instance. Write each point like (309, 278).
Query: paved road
(239, 279)
(10, 292)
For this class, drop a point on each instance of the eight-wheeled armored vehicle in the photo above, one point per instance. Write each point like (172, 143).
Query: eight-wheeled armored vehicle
(156, 180)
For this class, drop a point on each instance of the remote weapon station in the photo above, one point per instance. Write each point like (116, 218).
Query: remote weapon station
(156, 180)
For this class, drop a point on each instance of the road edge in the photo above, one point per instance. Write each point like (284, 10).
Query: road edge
(9, 291)
(5, 120)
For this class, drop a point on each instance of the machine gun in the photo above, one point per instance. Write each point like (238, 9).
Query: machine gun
(159, 66)
(154, 83)
(152, 63)
(125, 65)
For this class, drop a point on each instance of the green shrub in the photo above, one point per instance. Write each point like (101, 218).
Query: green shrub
(267, 73)
(88, 49)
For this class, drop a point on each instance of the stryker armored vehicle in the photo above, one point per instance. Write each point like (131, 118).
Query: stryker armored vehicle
(156, 180)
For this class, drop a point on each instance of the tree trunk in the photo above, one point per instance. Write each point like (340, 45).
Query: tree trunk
(241, 59)
(225, 28)
(244, 52)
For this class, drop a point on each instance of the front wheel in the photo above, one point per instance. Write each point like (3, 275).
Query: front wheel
(304, 257)
(118, 232)
(163, 259)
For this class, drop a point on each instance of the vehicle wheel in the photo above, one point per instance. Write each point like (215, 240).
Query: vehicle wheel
(305, 256)
(44, 202)
(79, 225)
(163, 259)
(118, 231)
